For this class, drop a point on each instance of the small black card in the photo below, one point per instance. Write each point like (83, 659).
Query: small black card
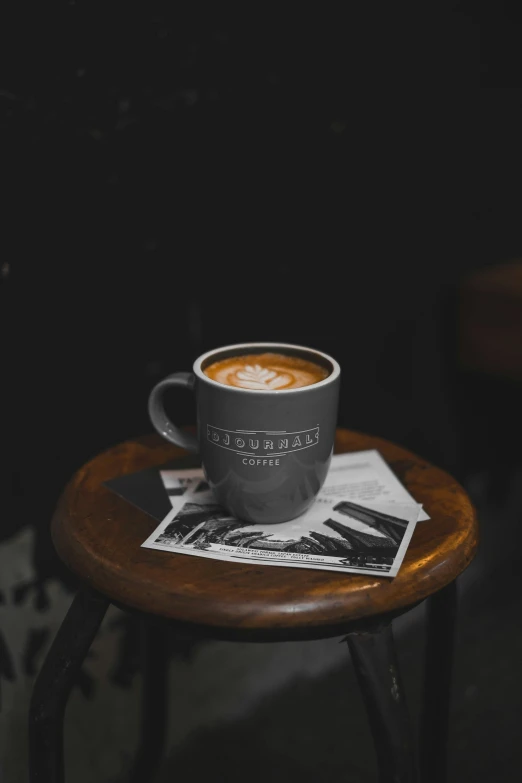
(145, 489)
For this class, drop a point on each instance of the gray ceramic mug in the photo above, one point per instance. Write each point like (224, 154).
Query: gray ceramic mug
(265, 454)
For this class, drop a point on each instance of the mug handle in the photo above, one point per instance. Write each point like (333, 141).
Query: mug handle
(159, 418)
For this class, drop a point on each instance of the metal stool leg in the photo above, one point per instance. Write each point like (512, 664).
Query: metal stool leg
(54, 683)
(442, 610)
(375, 662)
(154, 660)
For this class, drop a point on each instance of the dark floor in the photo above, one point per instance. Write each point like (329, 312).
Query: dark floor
(289, 711)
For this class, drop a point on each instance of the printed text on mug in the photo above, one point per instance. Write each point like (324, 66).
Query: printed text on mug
(266, 445)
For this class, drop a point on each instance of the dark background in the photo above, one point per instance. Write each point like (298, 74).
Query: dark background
(182, 176)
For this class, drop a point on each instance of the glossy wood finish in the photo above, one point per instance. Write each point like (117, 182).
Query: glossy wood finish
(98, 535)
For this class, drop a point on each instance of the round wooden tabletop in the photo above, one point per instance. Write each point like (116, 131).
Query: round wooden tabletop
(99, 535)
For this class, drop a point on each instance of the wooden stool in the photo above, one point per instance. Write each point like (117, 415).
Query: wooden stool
(99, 536)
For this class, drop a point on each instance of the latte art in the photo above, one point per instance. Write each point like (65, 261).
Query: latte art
(266, 372)
(258, 377)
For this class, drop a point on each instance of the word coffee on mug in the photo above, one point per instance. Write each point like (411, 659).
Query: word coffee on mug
(266, 372)
(267, 414)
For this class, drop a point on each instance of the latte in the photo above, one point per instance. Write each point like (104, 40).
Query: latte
(266, 372)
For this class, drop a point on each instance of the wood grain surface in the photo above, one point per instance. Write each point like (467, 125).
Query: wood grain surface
(99, 536)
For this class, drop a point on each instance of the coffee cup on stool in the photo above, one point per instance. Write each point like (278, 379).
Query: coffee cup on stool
(266, 419)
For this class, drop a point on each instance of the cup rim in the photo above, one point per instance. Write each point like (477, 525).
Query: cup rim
(336, 369)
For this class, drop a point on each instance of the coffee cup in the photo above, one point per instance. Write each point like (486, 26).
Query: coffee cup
(266, 420)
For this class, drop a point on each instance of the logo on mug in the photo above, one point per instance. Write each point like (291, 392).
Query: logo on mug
(265, 444)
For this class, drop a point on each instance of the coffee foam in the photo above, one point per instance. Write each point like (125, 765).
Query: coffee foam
(266, 372)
